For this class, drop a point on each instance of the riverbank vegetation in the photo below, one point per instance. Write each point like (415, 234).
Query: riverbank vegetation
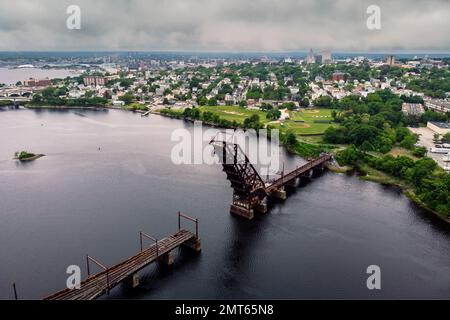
(239, 117)
(374, 128)
(23, 155)
(52, 96)
(422, 178)
(135, 107)
(26, 156)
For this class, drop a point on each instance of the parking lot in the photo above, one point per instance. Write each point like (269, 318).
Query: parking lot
(426, 139)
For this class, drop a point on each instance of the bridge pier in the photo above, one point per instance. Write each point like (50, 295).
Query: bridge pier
(133, 281)
(294, 183)
(307, 174)
(193, 244)
(319, 169)
(243, 212)
(262, 206)
(166, 258)
(279, 193)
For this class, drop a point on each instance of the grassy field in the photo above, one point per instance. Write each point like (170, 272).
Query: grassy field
(234, 113)
(309, 116)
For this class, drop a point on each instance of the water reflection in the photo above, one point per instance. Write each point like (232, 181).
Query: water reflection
(80, 200)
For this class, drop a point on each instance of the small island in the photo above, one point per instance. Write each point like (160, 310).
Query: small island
(27, 156)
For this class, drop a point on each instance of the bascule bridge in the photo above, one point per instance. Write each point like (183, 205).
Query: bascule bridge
(250, 191)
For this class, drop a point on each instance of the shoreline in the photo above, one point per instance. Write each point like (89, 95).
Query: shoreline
(384, 179)
(381, 179)
(35, 107)
(335, 168)
(36, 156)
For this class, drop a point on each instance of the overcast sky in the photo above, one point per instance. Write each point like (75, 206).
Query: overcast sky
(225, 25)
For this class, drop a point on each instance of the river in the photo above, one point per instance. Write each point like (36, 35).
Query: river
(80, 200)
(10, 76)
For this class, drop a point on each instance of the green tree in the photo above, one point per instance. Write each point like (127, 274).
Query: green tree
(127, 98)
(273, 114)
(446, 137)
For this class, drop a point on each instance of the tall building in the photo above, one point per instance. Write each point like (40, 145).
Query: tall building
(318, 58)
(326, 56)
(310, 57)
(390, 60)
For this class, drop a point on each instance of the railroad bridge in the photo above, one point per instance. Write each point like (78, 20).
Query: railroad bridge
(250, 192)
(127, 270)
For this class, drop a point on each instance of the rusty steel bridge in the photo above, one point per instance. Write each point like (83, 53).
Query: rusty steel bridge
(127, 270)
(250, 192)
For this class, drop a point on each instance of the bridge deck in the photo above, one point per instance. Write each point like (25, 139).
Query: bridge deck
(297, 172)
(97, 284)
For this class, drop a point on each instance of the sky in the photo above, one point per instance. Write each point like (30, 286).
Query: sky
(225, 25)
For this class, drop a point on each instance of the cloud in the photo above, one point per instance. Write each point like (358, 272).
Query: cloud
(225, 25)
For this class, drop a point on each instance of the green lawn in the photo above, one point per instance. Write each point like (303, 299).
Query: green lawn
(308, 116)
(308, 127)
(234, 113)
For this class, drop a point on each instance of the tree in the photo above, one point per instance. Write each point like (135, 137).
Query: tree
(408, 142)
(127, 98)
(291, 139)
(336, 135)
(243, 103)
(446, 137)
(126, 82)
(436, 138)
(362, 133)
(422, 169)
(187, 113)
(266, 106)
(288, 105)
(273, 114)
(304, 102)
(252, 122)
(212, 102)
(323, 102)
(419, 152)
(202, 101)
(349, 156)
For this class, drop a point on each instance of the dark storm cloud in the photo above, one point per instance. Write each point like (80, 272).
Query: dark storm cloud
(225, 25)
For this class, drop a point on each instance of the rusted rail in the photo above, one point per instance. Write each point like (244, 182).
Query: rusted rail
(102, 282)
(298, 172)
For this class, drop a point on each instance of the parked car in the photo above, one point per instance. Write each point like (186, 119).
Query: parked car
(439, 150)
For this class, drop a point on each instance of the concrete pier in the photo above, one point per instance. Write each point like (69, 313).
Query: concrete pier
(279, 193)
(241, 211)
(166, 258)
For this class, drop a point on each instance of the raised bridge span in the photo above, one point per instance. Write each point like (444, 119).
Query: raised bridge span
(250, 192)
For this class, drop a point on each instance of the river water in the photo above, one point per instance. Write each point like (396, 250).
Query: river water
(79, 199)
(12, 76)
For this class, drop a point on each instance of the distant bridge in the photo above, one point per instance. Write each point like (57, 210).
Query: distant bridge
(250, 192)
(18, 93)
